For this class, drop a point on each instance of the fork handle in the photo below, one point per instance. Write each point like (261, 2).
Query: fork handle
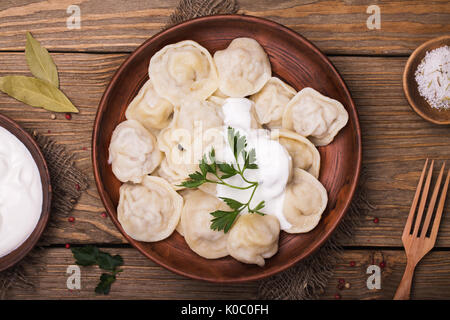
(404, 289)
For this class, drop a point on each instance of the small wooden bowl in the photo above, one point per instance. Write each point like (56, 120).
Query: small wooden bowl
(295, 60)
(18, 254)
(416, 101)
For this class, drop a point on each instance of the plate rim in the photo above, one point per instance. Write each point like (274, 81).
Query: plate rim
(102, 105)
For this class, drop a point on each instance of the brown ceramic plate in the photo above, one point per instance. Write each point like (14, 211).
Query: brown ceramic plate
(18, 254)
(416, 101)
(296, 61)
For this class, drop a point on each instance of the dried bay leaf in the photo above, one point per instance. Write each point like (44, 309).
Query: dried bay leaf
(40, 62)
(37, 93)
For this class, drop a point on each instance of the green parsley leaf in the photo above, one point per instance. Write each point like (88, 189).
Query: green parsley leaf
(252, 156)
(90, 255)
(252, 166)
(223, 220)
(104, 286)
(227, 168)
(108, 262)
(191, 183)
(258, 207)
(85, 256)
(233, 204)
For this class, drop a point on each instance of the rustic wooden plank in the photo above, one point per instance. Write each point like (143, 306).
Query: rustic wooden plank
(395, 142)
(337, 27)
(140, 279)
(141, 276)
(431, 279)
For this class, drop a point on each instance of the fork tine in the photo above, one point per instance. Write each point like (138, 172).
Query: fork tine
(430, 210)
(423, 200)
(408, 225)
(440, 209)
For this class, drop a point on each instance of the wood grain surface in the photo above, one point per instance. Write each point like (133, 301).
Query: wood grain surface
(396, 141)
(141, 276)
(120, 26)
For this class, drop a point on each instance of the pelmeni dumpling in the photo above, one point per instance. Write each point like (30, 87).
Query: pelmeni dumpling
(304, 202)
(271, 101)
(133, 152)
(243, 67)
(196, 221)
(152, 111)
(183, 71)
(195, 126)
(313, 115)
(218, 97)
(185, 194)
(254, 238)
(303, 153)
(149, 211)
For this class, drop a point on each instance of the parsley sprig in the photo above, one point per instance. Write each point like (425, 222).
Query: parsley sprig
(90, 255)
(223, 220)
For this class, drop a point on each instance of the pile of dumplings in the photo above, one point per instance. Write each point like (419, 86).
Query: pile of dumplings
(188, 86)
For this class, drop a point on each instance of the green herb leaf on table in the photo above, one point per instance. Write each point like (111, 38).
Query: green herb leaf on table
(37, 93)
(104, 286)
(108, 262)
(90, 255)
(85, 256)
(40, 62)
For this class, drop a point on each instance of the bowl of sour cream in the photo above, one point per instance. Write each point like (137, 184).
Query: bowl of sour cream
(25, 193)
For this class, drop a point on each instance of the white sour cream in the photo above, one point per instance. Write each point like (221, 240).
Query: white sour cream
(20, 193)
(272, 158)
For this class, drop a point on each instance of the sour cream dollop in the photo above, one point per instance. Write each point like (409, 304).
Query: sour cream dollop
(20, 193)
(273, 161)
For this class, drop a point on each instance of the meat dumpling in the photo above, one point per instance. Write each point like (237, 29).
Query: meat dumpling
(183, 71)
(195, 126)
(133, 152)
(315, 116)
(152, 111)
(218, 98)
(303, 153)
(196, 222)
(243, 67)
(304, 202)
(149, 211)
(254, 238)
(271, 101)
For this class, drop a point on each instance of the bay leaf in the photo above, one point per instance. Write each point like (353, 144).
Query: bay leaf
(40, 62)
(37, 93)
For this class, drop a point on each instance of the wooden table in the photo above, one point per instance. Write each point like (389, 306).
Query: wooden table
(395, 140)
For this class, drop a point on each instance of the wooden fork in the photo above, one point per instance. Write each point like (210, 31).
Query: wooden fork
(416, 244)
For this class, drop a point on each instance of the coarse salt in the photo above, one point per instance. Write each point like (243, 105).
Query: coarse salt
(433, 77)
